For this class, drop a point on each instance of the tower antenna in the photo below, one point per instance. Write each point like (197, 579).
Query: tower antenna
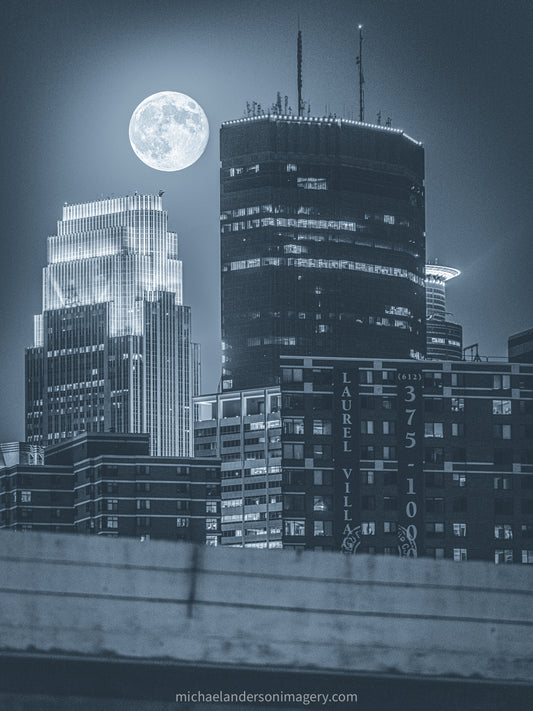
(361, 78)
(300, 107)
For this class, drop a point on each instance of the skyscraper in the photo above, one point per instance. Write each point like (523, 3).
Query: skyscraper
(112, 348)
(444, 337)
(322, 243)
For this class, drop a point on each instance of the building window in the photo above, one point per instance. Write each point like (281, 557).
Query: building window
(434, 455)
(501, 407)
(390, 503)
(293, 451)
(295, 527)
(112, 505)
(322, 478)
(459, 529)
(501, 382)
(527, 557)
(458, 404)
(292, 375)
(503, 555)
(293, 425)
(503, 530)
(503, 482)
(182, 522)
(459, 479)
(368, 503)
(389, 427)
(211, 506)
(434, 528)
(322, 503)
(367, 427)
(390, 526)
(294, 502)
(501, 431)
(458, 429)
(321, 427)
(368, 528)
(143, 504)
(112, 521)
(323, 528)
(389, 452)
(460, 554)
(211, 524)
(25, 497)
(368, 452)
(526, 530)
(211, 540)
(433, 429)
(321, 451)
(367, 477)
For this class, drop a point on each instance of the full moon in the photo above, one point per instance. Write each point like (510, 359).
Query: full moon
(169, 131)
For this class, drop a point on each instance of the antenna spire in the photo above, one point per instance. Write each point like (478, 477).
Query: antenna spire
(300, 105)
(361, 78)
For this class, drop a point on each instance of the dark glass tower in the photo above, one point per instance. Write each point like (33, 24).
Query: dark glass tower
(322, 243)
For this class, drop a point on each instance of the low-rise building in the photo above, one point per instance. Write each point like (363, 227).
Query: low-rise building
(108, 484)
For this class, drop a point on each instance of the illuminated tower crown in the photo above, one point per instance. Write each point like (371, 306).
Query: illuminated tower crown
(112, 348)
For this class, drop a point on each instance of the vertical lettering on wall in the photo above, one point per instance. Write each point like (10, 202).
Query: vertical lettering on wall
(410, 461)
(346, 446)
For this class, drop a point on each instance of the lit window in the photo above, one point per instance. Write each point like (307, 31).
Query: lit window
(368, 528)
(503, 530)
(321, 427)
(459, 529)
(182, 522)
(459, 554)
(459, 479)
(293, 425)
(211, 540)
(389, 427)
(25, 497)
(295, 527)
(458, 404)
(527, 557)
(312, 183)
(501, 407)
(112, 521)
(503, 556)
(322, 503)
(211, 524)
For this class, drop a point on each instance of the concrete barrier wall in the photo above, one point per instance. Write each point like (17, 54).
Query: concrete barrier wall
(276, 609)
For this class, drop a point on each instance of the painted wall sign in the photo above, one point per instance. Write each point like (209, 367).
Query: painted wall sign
(410, 461)
(346, 437)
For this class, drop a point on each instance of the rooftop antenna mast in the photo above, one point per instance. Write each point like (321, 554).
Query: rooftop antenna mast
(300, 105)
(361, 78)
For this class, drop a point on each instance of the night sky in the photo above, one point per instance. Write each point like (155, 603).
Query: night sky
(455, 74)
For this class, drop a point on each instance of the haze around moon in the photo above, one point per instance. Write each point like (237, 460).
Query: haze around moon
(169, 131)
